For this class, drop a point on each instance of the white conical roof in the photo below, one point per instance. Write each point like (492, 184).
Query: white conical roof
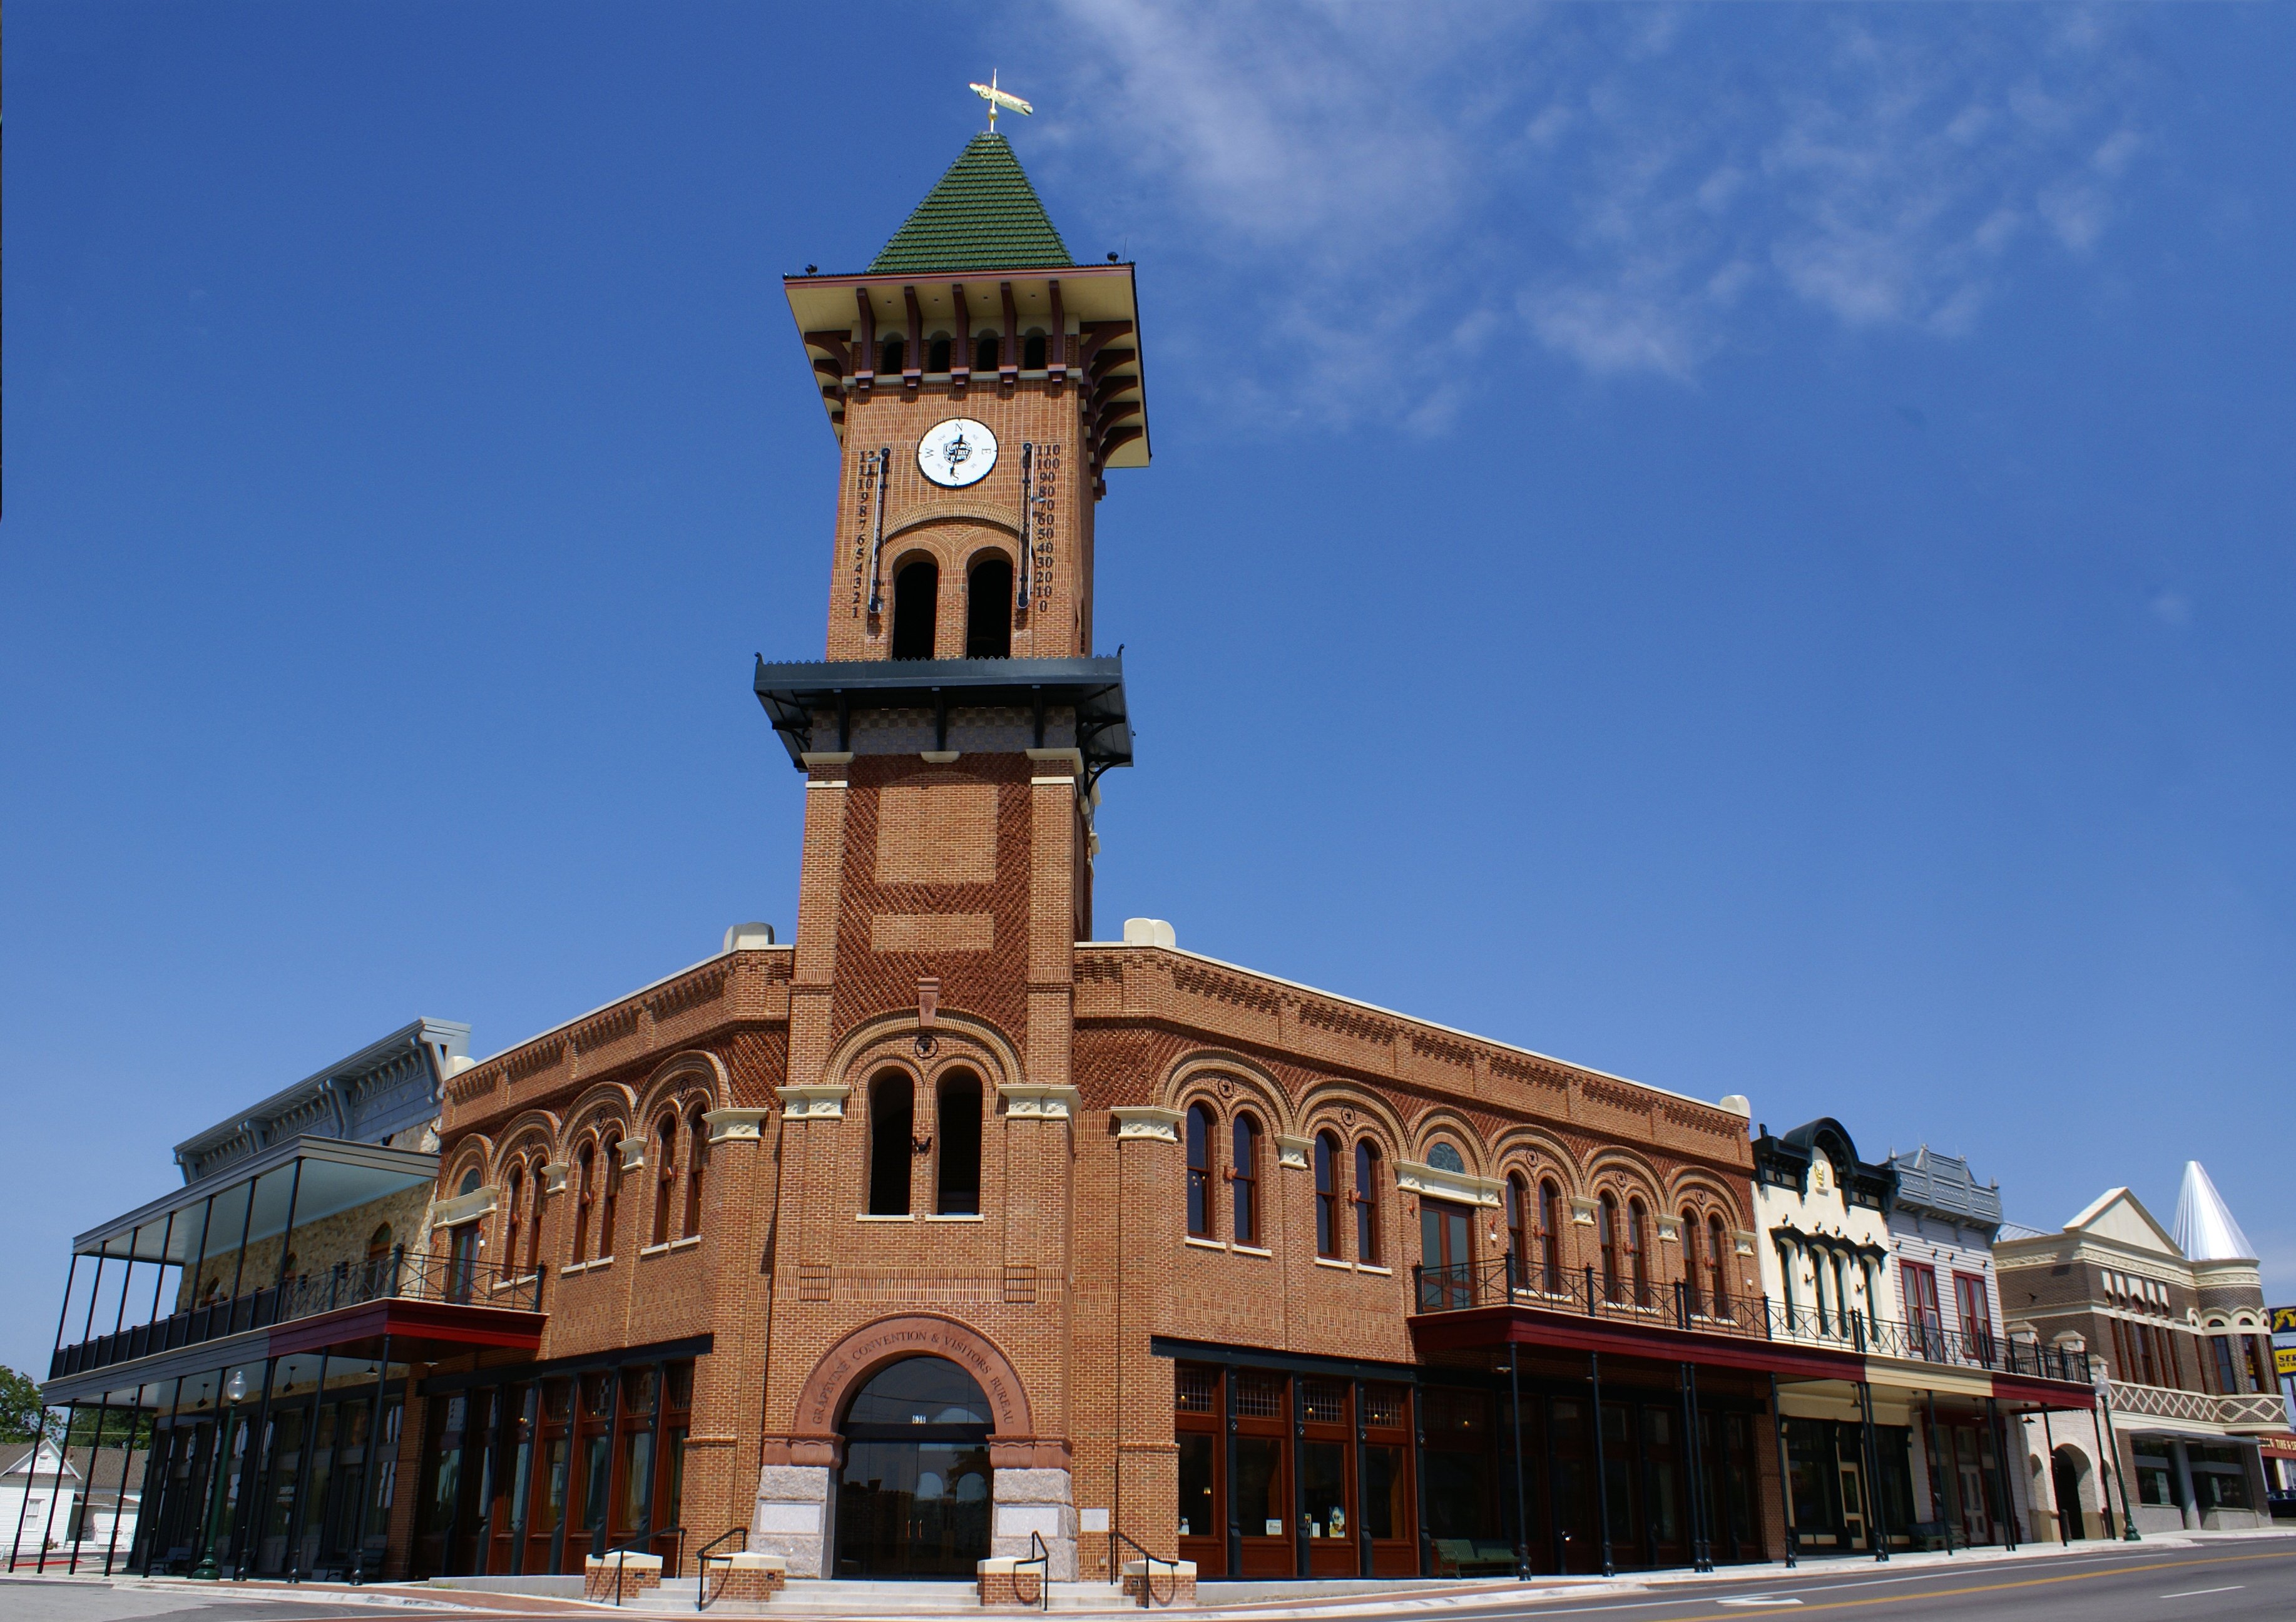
(2205, 1230)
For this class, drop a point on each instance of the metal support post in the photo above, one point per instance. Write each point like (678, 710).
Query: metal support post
(1701, 1544)
(2112, 1438)
(94, 1454)
(303, 1474)
(1940, 1478)
(2001, 1472)
(1786, 1471)
(1601, 1470)
(370, 1465)
(1877, 1522)
(2107, 1467)
(39, 1432)
(1515, 1418)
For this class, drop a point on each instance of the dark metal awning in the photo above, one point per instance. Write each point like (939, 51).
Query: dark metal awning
(794, 695)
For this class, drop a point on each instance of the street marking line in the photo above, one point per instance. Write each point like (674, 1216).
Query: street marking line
(2192, 1593)
(1763, 1599)
(2033, 1582)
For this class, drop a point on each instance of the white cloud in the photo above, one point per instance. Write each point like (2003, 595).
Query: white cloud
(1631, 189)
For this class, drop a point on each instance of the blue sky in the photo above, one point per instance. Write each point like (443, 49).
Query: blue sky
(1746, 547)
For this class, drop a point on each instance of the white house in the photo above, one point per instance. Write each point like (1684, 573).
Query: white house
(47, 1505)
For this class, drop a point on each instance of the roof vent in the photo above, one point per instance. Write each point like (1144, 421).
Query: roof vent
(1738, 1103)
(748, 937)
(1149, 932)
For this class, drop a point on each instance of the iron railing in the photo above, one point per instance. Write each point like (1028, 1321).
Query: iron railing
(1148, 1564)
(1041, 1557)
(397, 1276)
(1678, 1304)
(706, 1554)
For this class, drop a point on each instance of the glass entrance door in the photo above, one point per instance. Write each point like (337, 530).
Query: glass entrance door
(916, 1494)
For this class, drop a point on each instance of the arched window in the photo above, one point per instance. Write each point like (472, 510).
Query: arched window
(534, 1216)
(1518, 1221)
(1032, 350)
(1367, 1201)
(586, 1199)
(1244, 1177)
(1200, 1170)
(894, 351)
(984, 352)
(1690, 1225)
(1606, 1236)
(988, 609)
(610, 1203)
(956, 1182)
(1638, 1248)
(892, 1114)
(378, 1243)
(1550, 1238)
(1327, 1195)
(697, 1159)
(470, 1182)
(1841, 1296)
(665, 1174)
(1445, 1157)
(916, 603)
(516, 1193)
(1717, 1265)
(936, 352)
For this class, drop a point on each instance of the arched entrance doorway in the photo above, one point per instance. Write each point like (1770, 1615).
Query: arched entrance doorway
(2070, 1467)
(913, 1497)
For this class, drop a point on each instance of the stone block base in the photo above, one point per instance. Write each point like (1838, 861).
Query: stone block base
(752, 1579)
(637, 1573)
(1001, 1584)
(1167, 1585)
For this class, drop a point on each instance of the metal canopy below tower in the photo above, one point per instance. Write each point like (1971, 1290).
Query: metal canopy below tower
(803, 699)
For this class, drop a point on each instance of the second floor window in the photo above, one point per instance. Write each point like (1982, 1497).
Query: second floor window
(1718, 1269)
(1550, 1238)
(1244, 1177)
(664, 1175)
(1327, 1195)
(1367, 1201)
(1606, 1236)
(697, 1156)
(1200, 1170)
(586, 1200)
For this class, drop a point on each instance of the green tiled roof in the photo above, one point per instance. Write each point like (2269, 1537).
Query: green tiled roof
(983, 215)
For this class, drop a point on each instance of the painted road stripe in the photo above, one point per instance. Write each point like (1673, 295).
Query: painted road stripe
(2191, 1593)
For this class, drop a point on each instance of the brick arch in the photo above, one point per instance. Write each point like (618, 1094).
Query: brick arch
(845, 1367)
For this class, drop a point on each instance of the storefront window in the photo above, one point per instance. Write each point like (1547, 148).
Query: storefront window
(1259, 1486)
(1324, 1478)
(1196, 1485)
(1383, 1509)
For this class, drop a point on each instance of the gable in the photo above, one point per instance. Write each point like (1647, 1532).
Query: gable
(2117, 1216)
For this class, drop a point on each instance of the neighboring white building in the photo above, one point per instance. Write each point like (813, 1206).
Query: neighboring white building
(1897, 1433)
(47, 1508)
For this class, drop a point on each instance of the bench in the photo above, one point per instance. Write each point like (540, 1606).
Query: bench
(1463, 1557)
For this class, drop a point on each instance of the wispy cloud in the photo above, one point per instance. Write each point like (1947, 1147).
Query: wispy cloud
(1635, 190)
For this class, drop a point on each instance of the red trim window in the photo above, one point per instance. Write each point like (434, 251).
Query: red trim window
(1518, 1221)
(586, 1198)
(1327, 1195)
(1550, 1238)
(1717, 1239)
(697, 1160)
(1606, 1234)
(1638, 1248)
(609, 1202)
(533, 1215)
(1200, 1170)
(1243, 1178)
(1970, 1306)
(511, 1212)
(1367, 1201)
(664, 1175)
(1690, 1227)
(1918, 1282)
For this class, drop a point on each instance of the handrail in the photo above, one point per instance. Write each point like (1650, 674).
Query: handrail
(1147, 1563)
(1039, 1556)
(637, 1545)
(701, 1558)
(1502, 1282)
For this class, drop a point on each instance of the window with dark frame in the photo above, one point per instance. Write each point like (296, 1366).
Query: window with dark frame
(1366, 1196)
(665, 1174)
(1243, 1179)
(892, 1117)
(1200, 1170)
(697, 1160)
(1327, 1195)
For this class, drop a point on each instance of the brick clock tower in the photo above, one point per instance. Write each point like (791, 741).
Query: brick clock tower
(980, 384)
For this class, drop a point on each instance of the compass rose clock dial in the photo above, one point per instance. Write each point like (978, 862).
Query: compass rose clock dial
(957, 453)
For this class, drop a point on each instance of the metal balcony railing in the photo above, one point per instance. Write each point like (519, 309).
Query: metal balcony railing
(397, 1276)
(1678, 1304)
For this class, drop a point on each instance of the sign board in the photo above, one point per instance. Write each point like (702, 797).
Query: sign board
(2284, 1320)
(2283, 1359)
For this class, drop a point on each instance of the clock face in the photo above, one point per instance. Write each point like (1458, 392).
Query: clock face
(957, 453)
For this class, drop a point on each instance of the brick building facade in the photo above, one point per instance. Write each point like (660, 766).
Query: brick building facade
(944, 1233)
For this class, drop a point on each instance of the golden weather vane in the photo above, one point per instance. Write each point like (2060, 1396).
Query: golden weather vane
(996, 99)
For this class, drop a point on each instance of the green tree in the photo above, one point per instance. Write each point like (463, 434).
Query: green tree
(19, 1408)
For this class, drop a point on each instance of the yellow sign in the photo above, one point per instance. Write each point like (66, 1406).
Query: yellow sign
(2283, 1359)
(2284, 1320)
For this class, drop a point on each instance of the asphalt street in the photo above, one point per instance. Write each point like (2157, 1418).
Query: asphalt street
(2246, 1581)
